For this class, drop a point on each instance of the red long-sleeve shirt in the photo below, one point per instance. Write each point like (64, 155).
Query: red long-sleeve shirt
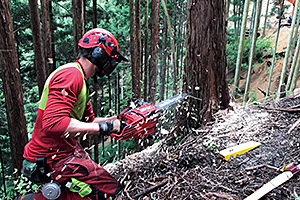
(64, 88)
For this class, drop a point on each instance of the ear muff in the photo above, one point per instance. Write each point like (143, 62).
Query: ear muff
(98, 56)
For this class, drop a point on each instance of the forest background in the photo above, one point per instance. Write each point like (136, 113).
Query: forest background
(113, 93)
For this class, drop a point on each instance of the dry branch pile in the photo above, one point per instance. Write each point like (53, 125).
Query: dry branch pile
(192, 168)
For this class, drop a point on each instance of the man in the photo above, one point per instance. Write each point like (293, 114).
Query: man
(64, 114)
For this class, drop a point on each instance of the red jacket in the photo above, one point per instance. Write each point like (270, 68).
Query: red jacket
(64, 88)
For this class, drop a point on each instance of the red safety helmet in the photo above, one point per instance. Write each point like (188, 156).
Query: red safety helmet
(99, 39)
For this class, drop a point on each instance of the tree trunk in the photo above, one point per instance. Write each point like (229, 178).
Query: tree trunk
(280, 12)
(241, 50)
(137, 76)
(266, 17)
(205, 67)
(162, 76)
(287, 53)
(132, 46)
(173, 49)
(154, 50)
(78, 23)
(10, 72)
(47, 36)
(39, 60)
(146, 53)
(252, 50)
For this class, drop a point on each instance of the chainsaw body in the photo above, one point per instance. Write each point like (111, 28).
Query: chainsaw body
(141, 117)
(141, 121)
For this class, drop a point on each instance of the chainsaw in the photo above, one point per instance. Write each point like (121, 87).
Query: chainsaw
(141, 117)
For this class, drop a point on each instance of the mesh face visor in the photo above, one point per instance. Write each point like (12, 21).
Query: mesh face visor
(113, 61)
(111, 65)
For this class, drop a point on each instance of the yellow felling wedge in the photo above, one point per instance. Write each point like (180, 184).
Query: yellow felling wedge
(232, 152)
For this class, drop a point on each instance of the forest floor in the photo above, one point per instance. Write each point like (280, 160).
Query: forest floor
(191, 167)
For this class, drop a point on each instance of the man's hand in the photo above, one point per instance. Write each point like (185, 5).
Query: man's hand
(115, 126)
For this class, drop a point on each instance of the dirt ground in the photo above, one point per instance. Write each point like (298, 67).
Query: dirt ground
(191, 167)
(261, 72)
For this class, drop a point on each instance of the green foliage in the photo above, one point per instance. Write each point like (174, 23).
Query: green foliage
(23, 185)
(31, 104)
(263, 47)
(111, 151)
(253, 95)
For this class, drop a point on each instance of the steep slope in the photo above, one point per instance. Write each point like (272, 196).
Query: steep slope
(261, 72)
(191, 168)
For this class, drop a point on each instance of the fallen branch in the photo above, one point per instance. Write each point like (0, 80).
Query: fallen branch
(281, 109)
(220, 195)
(260, 166)
(254, 167)
(150, 188)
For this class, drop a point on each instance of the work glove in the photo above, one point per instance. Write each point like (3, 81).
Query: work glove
(115, 126)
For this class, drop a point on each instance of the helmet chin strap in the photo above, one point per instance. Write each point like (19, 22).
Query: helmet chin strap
(99, 71)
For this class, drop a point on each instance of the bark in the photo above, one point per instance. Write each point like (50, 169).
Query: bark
(280, 11)
(137, 76)
(132, 46)
(173, 49)
(241, 50)
(205, 67)
(39, 60)
(47, 36)
(287, 54)
(78, 23)
(266, 17)
(146, 53)
(154, 50)
(252, 50)
(94, 13)
(10, 72)
(163, 66)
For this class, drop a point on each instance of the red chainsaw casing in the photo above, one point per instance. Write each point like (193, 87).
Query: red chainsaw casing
(141, 121)
(293, 167)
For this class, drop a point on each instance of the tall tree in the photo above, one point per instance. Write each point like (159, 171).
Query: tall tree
(135, 47)
(241, 49)
(47, 35)
(146, 53)
(78, 23)
(163, 66)
(39, 59)
(132, 45)
(252, 49)
(287, 53)
(10, 72)
(154, 50)
(173, 48)
(137, 76)
(205, 66)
